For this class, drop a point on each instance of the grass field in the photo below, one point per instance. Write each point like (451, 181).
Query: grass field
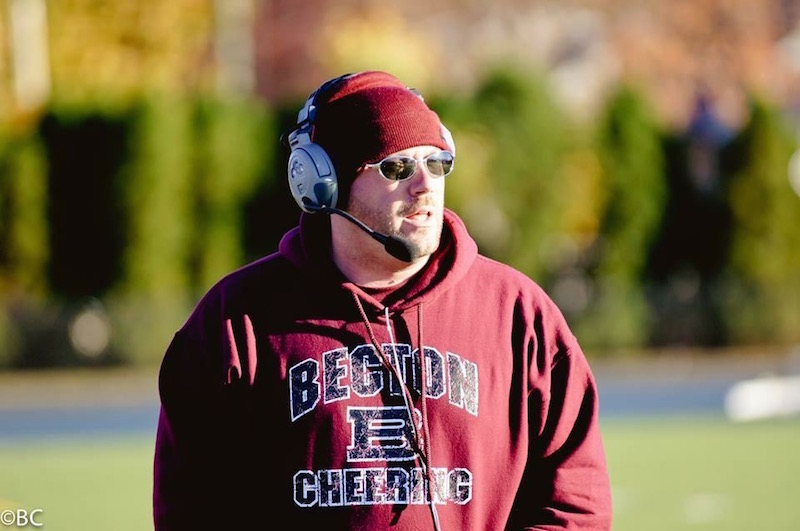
(80, 485)
(704, 474)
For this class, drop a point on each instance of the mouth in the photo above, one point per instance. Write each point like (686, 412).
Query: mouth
(421, 214)
(419, 217)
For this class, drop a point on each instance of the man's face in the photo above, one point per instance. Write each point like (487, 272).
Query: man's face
(411, 210)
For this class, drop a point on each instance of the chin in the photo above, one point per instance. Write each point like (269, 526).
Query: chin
(421, 248)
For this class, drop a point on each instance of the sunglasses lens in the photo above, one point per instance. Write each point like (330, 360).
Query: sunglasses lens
(398, 168)
(440, 163)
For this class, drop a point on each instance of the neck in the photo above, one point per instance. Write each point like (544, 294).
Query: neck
(364, 261)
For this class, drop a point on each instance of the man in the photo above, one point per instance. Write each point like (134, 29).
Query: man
(377, 372)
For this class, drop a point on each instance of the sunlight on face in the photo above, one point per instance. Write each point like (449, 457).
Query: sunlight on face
(411, 210)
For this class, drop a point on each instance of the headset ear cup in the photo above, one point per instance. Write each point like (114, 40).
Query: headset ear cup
(312, 178)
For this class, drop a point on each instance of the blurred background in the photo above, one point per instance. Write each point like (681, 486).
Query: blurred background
(640, 160)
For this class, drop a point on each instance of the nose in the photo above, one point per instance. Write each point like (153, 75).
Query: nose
(423, 181)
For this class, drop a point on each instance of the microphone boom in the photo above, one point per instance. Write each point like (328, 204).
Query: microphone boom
(394, 246)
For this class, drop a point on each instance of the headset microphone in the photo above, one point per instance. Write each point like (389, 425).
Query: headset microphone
(394, 246)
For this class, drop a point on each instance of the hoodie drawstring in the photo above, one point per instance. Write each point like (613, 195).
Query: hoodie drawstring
(421, 444)
(423, 403)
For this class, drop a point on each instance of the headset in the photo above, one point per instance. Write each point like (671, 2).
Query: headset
(312, 178)
(310, 170)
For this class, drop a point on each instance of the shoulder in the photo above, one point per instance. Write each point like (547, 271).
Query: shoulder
(261, 280)
(489, 270)
(529, 302)
(264, 270)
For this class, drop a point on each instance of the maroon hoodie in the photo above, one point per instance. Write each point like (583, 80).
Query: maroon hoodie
(289, 399)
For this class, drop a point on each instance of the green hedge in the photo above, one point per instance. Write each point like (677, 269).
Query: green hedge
(124, 214)
(24, 240)
(115, 220)
(761, 293)
(512, 141)
(634, 186)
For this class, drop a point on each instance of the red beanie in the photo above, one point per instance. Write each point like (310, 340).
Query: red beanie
(368, 116)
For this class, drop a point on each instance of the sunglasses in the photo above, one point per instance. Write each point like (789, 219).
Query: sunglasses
(400, 167)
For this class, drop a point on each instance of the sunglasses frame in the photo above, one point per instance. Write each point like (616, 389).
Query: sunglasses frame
(417, 164)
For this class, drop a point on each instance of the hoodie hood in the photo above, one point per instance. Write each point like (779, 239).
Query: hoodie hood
(308, 246)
